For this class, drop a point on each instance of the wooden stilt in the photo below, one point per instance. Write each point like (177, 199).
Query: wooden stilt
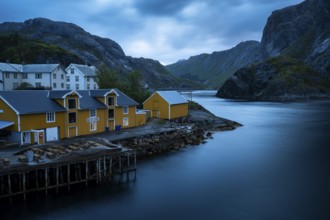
(68, 176)
(24, 186)
(46, 181)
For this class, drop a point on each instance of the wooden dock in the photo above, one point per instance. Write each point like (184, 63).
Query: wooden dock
(97, 167)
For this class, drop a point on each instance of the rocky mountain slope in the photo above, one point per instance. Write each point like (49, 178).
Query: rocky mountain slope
(297, 41)
(91, 49)
(214, 69)
(278, 79)
(301, 32)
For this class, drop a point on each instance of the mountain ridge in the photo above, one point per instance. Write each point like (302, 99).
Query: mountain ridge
(92, 49)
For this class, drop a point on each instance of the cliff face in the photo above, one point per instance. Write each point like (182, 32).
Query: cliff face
(278, 79)
(90, 48)
(297, 41)
(214, 69)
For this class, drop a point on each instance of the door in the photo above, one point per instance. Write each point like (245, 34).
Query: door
(72, 132)
(27, 137)
(52, 134)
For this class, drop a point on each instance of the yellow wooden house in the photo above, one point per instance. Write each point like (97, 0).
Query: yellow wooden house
(166, 105)
(38, 116)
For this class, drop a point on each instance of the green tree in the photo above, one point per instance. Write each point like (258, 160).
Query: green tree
(107, 78)
(24, 86)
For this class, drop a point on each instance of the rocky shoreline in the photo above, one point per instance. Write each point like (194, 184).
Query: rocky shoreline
(191, 130)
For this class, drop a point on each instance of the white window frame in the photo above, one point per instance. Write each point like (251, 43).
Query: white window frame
(113, 101)
(54, 85)
(38, 84)
(54, 75)
(50, 117)
(125, 121)
(75, 100)
(93, 126)
(125, 110)
(77, 86)
(76, 78)
(38, 75)
(91, 111)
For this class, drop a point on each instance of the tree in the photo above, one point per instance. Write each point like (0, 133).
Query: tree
(107, 78)
(24, 86)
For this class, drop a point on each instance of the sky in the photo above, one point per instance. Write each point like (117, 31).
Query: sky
(164, 30)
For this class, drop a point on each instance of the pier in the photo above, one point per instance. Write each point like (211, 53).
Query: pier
(98, 166)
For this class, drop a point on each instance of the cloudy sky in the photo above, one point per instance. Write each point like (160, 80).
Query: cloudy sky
(165, 30)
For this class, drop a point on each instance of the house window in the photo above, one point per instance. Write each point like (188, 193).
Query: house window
(7, 75)
(67, 86)
(38, 85)
(72, 117)
(77, 86)
(88, 86)
(110, 101)
(54, 76)
(93, 126)
(72, 70)
(94, 86)
(125, 110)
(54, 85)
(125, 121)
(38, 76)
(68, 78)
(15, 75)
(15, 85)
(50, 117)
(92, 113)
(111, 113)
(62, 76)
(88, 78)
(72, 103)
(62, 85)
(25, 76)
(77, 78)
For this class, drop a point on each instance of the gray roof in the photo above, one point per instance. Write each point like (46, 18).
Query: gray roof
(88, 102)
(122, 98)
(31, 101)
(42, 101)
(86, 70)
(172, 97)
(39, 68)
(28, 68)
(9, 67)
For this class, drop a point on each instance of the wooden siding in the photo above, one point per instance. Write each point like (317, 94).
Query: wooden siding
(119, 116)
(8, 114)
(159, 108)
(179, 110)
(39, 121)
(156, 103)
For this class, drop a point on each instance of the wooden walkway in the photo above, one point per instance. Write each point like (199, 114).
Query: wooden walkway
(99, 167)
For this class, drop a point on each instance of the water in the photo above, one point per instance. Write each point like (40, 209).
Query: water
(277, 166)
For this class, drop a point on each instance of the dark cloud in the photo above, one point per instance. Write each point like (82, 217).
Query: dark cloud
(166, 30)
(160, 7)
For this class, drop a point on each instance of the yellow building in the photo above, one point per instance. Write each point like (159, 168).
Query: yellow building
(38, 116)
(166, 105)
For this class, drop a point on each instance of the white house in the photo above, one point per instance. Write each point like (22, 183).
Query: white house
(81, 77)
(51, 76)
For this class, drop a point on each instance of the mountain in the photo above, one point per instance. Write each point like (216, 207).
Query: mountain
(301, 31)
(280, 78)
(296, 41)
(91, 49)
(214, 69)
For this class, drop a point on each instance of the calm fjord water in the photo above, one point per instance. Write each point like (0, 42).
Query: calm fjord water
(277, 166)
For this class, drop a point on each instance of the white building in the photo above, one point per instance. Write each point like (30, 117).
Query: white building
(49, 76)
(81, 77)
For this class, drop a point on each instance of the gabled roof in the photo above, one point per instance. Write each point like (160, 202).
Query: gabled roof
(84, 69)
(122, 98)
(9, 67)
(30, 101)
(39, 68)
(28, 68)
(62, 94)
(171, 97)
(88, 102)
